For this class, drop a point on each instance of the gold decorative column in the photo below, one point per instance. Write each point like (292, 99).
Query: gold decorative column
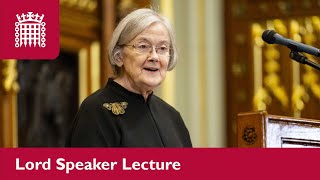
(8, 103)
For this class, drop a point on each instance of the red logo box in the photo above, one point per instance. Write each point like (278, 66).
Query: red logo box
(29, 29)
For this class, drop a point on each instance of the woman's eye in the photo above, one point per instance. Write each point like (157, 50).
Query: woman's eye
(143, 46)
(163, 48)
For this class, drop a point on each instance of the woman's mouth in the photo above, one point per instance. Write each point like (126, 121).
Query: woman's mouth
(151, 69)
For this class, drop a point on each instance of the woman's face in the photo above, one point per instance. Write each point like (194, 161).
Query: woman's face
(145, 69)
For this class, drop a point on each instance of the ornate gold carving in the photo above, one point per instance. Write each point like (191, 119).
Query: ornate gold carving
(261, 97)
(116, 107)
(10, 75)
(305, 32)
(126, 6)
(299, 96)
(315, 20)
(271, 79)
(279, 26)
(87, 5)
(256, 34)
(310, 78)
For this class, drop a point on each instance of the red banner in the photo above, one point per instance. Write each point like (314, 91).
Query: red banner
(144, 163)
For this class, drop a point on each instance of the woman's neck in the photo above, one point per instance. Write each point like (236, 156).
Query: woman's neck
(131, 86)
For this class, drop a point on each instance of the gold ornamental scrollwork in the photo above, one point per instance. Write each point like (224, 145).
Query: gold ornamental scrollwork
(87, 5)
(306, 31)
(9, 76)
(261, 98)
(311, 81)
(299, 96)
(310, 78)
(271, 80)
(299, 93)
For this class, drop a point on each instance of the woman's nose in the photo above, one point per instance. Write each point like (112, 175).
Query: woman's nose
(153, 55)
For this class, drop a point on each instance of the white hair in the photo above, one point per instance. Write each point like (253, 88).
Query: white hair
(130, 27)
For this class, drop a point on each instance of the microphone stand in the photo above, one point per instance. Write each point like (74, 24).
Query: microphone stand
(302, 59)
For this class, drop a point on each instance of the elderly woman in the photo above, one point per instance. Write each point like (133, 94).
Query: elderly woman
(126, 113)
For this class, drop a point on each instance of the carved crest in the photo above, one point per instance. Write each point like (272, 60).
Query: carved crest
(249, 135)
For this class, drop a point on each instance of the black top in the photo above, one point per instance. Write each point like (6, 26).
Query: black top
(151, 123)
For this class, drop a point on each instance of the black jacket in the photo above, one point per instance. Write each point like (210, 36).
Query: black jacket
(151, 123)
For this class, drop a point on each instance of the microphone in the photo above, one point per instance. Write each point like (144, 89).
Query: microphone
(272, 37)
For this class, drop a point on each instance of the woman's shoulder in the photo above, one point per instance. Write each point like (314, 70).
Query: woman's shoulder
(93, 99)
(160, 103)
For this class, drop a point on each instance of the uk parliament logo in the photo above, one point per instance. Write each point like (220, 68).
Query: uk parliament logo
(30, 30)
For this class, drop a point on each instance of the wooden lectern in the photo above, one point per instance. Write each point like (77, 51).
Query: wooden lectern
(259, 129)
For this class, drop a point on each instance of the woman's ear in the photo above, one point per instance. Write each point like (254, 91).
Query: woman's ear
(118, 59)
